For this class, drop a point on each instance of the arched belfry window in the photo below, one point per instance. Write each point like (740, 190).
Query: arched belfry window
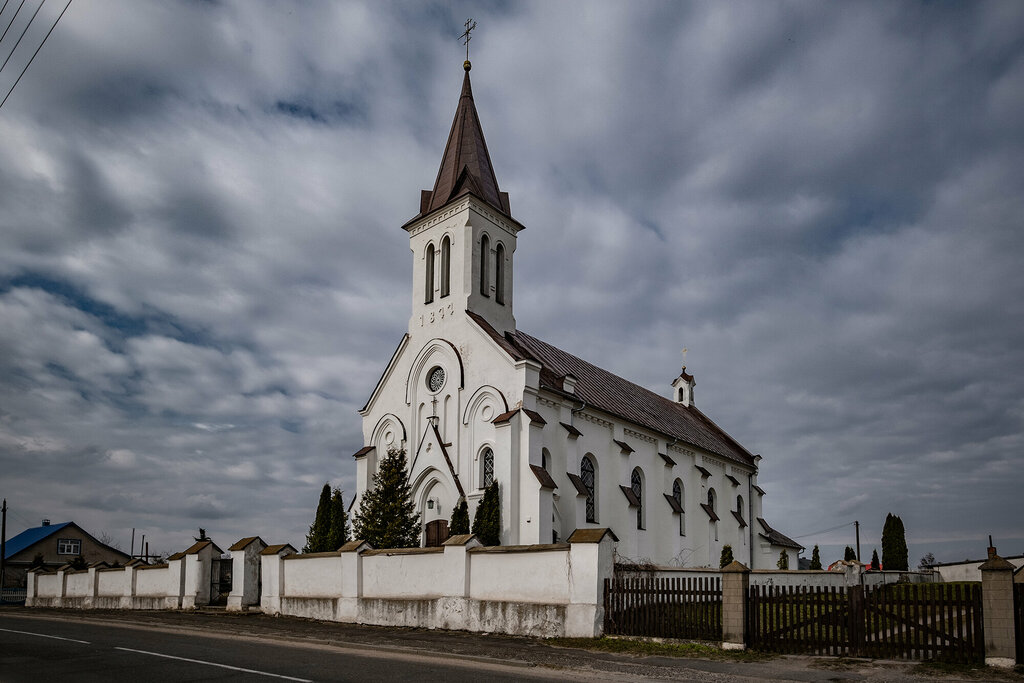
(499, 273)
(485, 254)
(590, 484)
(636, 482)
(487, 468)
(446, 266)
(677, 493)
(428, 280)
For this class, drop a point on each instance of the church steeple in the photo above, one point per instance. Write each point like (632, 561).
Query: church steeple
(466, 165)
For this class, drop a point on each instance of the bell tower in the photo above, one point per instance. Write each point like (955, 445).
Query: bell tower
(464, 238)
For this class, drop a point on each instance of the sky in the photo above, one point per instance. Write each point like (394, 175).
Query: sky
(202, 271)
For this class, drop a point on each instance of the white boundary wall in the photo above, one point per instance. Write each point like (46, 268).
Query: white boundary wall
(538, 590)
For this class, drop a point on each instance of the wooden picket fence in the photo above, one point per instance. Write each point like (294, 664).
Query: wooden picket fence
(1018, 619)
(902, 621)
(663, 607)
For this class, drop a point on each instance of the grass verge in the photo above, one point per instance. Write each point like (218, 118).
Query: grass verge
(655, 648)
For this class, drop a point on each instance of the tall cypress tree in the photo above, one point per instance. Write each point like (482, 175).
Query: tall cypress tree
(874, 560)
(318, 537)
(815, 558)
(338, 534)
(487, 520)
(888, 539)
(850, 554)
(460, 519)
(387, 517)
(900, 559)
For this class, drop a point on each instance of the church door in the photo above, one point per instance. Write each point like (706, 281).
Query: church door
(437, 532)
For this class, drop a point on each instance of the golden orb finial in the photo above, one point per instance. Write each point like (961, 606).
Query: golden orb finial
(466, 65)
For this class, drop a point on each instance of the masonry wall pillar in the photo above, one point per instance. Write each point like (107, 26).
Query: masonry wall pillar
(30, 588)
(591, 561)
(90, 600)
(735, 591)
(128, 599)
(997, 609)
(62, 586)
(351, 581)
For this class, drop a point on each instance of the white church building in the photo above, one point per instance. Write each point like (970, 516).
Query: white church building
(473, 399)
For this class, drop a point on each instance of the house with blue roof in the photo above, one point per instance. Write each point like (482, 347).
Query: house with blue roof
(51, 546)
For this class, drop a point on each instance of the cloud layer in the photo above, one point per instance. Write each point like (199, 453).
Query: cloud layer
(201, 271)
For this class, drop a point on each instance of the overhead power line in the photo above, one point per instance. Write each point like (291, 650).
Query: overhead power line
(11, 22)
(23, 32)
(824, 531)
(32, 58)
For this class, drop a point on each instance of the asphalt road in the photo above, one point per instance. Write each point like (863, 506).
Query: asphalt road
(40, 650)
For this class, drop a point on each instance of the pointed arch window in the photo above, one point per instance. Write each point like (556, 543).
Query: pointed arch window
(499, 273)
(446, 266)
(711, 500)
(739, 507)
(485, 253)
(636, 482)
(677, 493)
(428, 284)
(487, 468)
(590, 484)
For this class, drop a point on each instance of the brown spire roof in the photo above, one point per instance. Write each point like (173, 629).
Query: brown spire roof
(466, 165)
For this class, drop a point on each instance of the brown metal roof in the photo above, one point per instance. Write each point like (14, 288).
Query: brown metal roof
(573, 432)
(612, 394)
(534, 416)
(241, 543)
(630, 496)
(673, 503)
(362, 451)
(734, 480)
(591, 535)
(543, 477)
(626, 448)
(466, 164)
(776, 537)
(704, 472)
(275, 549)
(739, 518)
(668, 460)
(711, 512)
(581, 488)
(758, 489)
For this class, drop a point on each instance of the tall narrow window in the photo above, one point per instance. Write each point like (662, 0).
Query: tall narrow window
(428, 283)
(446, 266)
(487, 474)
(636, 482)
(711, 500)
(589, 482)
(739, 506)
(499, 273)
(485, 255)
(677, 493)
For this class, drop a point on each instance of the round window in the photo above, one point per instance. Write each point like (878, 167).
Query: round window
(435, 379)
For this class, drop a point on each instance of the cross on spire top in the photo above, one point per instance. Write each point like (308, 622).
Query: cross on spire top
(465, 38)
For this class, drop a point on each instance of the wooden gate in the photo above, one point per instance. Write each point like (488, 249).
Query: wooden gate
(676, 607)
(437, 533)
(1018, 619)
(902, 621)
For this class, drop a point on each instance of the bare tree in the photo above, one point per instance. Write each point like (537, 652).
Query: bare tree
(107, 539)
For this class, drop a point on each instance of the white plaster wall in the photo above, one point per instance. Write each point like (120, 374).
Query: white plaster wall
(78, 585)
(968, 571)
(151, 582)
(110, 583)
(403, 576)
(306, 576)
(523, 577)
(48, 586)
(797, 578)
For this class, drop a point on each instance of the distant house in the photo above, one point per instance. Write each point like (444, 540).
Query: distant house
(54, 545)
(969, 570)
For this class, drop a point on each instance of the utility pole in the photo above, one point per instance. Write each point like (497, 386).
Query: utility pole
(856, 525)
(3, 545)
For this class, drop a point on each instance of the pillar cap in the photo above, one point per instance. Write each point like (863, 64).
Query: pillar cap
(735, 567)
(996, 564)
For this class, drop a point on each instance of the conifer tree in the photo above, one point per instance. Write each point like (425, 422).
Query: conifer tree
(726, 557)
(815, 558)
(338, 534)
(317, 538)
(894, 544)
(460, 519)
(487, 520)
(850, 554)
(874, 560)
(783, 562)
(387, 517)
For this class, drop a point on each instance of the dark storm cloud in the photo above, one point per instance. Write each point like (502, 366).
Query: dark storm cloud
(202, 273)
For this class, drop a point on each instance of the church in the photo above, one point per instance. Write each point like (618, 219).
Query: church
(474, 400)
